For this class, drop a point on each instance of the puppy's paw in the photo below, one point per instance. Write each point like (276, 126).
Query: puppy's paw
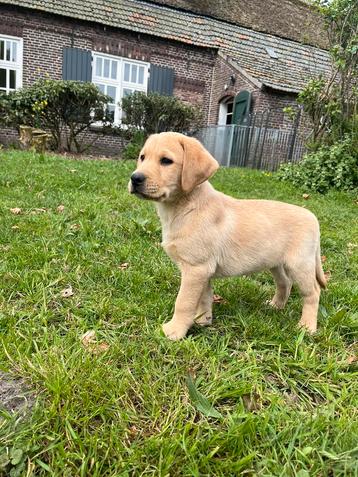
(310, 327)
(274, 303)
(204, 320)
(174, 331)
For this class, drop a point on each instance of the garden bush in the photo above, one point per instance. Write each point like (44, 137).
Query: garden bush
(329, 167)
(132, 149)
(66, 109)
(153, 113)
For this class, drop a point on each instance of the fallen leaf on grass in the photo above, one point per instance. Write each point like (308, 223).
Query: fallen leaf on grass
(88, 338)
(67, 292)
(123, 266)
(351, 247)
(328, 275)
(133, 431)
(75, 227)
(305, 196)
(323, 258)
(201, 402)
(251, 402)
(60, 209)
(352, 359)
(91, 344)
(218, 299)
(16, 210)
(15, 227)
(100, 347)
(38, 211)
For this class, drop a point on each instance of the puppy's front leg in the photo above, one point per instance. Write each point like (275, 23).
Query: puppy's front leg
(193, 282)
(204, 313)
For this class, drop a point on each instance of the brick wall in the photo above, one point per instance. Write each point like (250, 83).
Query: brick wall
(45, 36)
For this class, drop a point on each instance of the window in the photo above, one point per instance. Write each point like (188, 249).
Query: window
(118, 77)
(10, 63)
(226, 111)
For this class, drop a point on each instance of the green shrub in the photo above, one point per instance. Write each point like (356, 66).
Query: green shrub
(65, 108)
(329, 167)
(132, 150)
(155, 113)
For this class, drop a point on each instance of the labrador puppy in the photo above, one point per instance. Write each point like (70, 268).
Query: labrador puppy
(209, 234)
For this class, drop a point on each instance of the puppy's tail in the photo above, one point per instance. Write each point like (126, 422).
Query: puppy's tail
(320, 277)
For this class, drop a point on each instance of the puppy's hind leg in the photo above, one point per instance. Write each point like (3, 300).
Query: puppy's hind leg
(283, 287)
(304, 275)
(204, 312)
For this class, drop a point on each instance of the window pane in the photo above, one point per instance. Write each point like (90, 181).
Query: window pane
(100, 87)
(127, 68)
(141, 74)
(8, 48)
(127, 92)
(2, 78)
(110, 110)
(98, 66)
(14, 51)
(134, 74)
(12, 79)
(2, 50)
(106, 68)
(111, 91)
(114, 70)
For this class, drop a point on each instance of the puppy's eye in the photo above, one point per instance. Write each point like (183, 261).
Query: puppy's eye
(142, 157)
(165, 161)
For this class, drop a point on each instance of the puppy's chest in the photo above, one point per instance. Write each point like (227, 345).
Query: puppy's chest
(174, 246)
(172, 251)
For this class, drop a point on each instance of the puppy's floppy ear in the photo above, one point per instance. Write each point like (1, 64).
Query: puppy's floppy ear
(198, 164)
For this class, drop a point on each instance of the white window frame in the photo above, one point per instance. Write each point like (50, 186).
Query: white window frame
(119, 82)
(12, 65)
(223, 110)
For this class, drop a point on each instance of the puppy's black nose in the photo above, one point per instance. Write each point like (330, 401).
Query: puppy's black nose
(137, 178)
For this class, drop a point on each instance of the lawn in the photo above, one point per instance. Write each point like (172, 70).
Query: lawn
(116, 403)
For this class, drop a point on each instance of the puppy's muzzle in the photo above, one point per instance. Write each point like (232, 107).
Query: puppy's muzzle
(138, 180)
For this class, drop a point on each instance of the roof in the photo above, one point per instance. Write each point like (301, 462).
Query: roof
(294, 65)
(292, 19)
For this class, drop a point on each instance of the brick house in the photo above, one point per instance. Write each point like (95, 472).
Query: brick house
(206, 59)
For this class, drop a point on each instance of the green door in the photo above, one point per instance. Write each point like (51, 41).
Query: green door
(242, 103)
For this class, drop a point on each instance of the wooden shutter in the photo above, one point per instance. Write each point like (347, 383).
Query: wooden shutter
(77, 64)
(242, 104)
(161, 80)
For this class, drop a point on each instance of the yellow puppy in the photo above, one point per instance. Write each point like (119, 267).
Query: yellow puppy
(209, 234)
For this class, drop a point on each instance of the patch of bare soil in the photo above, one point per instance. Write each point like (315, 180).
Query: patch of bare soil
(15, 395)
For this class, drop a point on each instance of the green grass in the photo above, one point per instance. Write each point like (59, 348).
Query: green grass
(288, 401)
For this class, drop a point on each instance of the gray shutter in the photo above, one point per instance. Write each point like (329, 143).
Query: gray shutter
(161, 80)
(242, 104)
(77, 64)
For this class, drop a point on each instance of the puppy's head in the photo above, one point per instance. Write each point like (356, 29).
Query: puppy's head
(170, 164)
